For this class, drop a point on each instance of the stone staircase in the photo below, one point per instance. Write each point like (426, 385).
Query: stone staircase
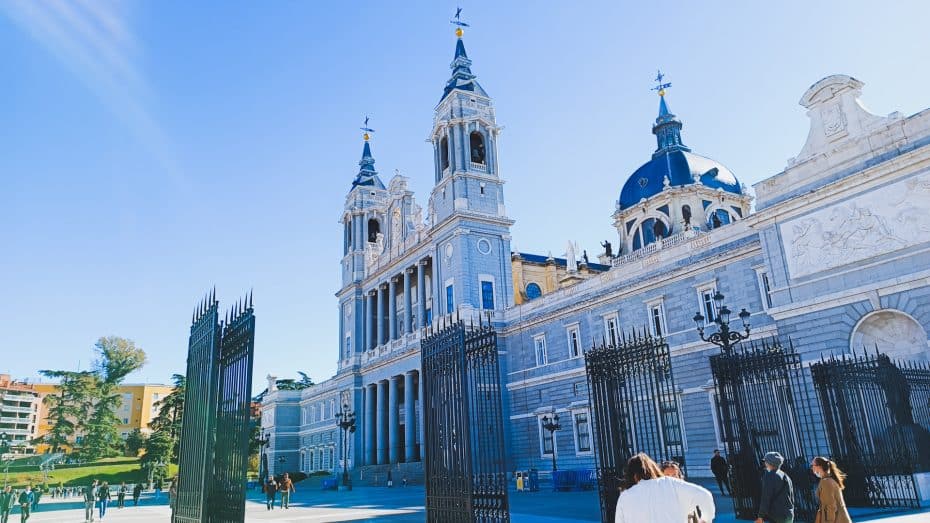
(376, 475)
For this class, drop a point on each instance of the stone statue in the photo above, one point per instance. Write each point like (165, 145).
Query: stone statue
(417, 216)
(584, 256)
(379, 243)
(608, 248)
(272, 383)
(571, 262)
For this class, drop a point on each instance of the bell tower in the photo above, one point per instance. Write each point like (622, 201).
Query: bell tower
(466, 205)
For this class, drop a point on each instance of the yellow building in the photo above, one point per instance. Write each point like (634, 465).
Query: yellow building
(535, 275)
(139, 405)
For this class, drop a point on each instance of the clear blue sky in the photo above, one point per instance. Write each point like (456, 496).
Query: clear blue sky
(149, 150)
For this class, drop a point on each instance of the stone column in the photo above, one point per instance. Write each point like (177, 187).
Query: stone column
(437, 302)
(382, 422)
(382, 333)
(408, 302)
(369, 328)
(392, 308)
(420, 423)
(369, 429)
(393, 420)
(421, 294)
(410, 425)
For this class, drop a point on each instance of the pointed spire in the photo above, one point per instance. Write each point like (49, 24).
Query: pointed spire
(462, 77)
(367, 175)
(667, 127)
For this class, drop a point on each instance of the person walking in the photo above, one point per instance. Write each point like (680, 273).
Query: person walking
(121, 495)
(721, 470)
(776, 503)
(832, 508)
(36, 494)
(286, 487)
(650, 497)
(7, 500)
(158, 485)
(90, 496)
(271, 487)
(136, 492)
(672, 469)
(25, 502)
(103, 498)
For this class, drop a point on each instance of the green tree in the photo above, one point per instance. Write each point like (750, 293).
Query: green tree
(117, 358)
(69, 407)
(171, 414)
(135, 442)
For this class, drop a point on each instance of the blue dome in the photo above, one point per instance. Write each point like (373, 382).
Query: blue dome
(682, 168)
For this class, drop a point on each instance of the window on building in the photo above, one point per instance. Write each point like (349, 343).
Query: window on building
(706, 301)
(657, 318)
(653, 230)
(765, 289)
(487, 295)
(546, 438)
(450, 299)
(373, 229)
(539, 344)
(476, 141)
(582, 432)
(348, 347)
(718, 218)
(533, 291)
(671, 421)
(612, 329)
(444, 153)
(125, 421)
(574, 341)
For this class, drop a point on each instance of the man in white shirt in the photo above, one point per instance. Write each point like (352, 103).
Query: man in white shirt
(654, 498)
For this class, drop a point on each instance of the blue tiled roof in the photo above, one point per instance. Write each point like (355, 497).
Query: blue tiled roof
(367, 175)
(462, 77)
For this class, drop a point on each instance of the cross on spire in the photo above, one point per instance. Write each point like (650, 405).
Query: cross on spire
(457, 21)
(367, 129)
(660, 87)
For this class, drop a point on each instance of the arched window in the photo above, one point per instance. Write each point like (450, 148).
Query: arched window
(476, 141)
(718, 218)
(533, 291)
(444, 153)
(652, 230)
(373, 229)
(686, 215)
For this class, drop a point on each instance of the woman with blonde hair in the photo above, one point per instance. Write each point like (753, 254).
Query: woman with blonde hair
(830, 492)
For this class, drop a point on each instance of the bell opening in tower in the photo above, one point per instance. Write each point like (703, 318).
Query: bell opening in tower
(477, 147)
(444, 153)
(373, 229)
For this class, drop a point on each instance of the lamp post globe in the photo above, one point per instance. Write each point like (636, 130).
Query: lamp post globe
(552, 425)
(346, 423)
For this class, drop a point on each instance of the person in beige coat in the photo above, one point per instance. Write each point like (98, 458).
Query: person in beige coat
(832, 508)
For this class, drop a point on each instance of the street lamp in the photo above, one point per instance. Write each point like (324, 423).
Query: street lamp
(552, 425)
(262, 459)
(724, 338)
(346, 419)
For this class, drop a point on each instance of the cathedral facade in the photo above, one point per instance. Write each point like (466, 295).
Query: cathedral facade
(834, 254)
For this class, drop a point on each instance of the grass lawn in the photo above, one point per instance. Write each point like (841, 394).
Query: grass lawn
(113, 470)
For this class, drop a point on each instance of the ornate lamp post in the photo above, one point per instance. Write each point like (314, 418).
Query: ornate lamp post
(262, 459)
(346, 419)
(552, 425)
(724, 338)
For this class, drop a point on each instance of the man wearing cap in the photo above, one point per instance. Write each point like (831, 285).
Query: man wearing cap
(777, 501)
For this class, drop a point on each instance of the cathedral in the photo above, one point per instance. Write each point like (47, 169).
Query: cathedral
(833, 252)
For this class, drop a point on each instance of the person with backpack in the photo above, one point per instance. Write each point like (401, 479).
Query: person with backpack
(271, 488)
(90, 497)
(136, 492)
(776, 504)
(103, 498)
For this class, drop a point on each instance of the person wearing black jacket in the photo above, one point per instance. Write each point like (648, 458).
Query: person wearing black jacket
(721, 469)
(776, 504)
(136, 492)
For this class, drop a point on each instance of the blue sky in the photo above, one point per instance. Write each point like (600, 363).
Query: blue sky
(153, 149)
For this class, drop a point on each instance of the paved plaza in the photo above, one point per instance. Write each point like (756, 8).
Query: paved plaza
(396, 505)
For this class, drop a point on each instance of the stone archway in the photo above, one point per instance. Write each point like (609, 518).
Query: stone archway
(895, 333)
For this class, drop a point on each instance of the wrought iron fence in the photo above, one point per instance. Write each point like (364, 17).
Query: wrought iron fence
(465, 473)
(215, 428)
(765, 403)
(877, 421)
(635, 408)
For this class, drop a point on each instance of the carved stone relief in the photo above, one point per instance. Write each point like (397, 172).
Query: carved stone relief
(893, 333)
(882, 221)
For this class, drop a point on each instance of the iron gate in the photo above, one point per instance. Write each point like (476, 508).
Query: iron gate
(877, 420)
(635, 408)
(765, 403)
(215, 428)
(465, 472)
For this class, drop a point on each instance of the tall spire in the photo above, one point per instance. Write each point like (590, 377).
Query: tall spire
(667, 127)
(462, 77)
(367, 175)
